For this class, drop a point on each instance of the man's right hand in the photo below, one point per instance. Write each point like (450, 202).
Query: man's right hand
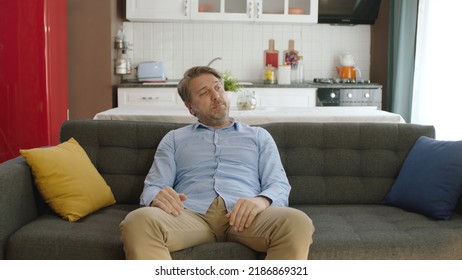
(170, 201)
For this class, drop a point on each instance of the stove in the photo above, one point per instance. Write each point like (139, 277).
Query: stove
(340, 81)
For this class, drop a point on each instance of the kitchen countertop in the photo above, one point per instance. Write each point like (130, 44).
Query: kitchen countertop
(254, 84)
(268, 115)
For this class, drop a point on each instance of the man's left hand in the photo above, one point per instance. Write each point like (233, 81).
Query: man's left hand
(245, 211)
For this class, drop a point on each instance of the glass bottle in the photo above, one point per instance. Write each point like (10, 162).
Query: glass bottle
(246, 100)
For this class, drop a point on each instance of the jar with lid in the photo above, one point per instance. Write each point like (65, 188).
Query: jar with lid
(246, 100)
(270, 76)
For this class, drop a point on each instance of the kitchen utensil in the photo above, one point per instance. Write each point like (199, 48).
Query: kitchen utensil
(151, 71)
(284, 74)
(270, 76)
(246, 100)
(271, 55)
(290, 55)
(347, 60)
(122, 66)
(300, 70)
(347, 70)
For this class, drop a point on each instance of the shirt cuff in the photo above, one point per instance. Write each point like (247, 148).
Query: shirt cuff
(267, 198)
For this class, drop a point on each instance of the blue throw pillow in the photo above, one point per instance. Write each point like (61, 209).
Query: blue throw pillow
(430, 180)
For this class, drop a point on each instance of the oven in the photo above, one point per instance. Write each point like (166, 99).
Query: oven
(334, 92)
(350, 97)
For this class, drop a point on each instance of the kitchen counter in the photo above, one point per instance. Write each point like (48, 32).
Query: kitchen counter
(256, 84)
(255, 117)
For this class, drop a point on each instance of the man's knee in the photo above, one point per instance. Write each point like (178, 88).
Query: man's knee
(298, 219)
(140, 217)
(293, 221)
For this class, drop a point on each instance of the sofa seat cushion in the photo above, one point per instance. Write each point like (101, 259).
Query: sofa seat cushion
(381, 232)
(49, 237)
(97, 236)
(217, 251)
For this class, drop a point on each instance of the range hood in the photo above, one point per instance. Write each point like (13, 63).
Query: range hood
(348, 12)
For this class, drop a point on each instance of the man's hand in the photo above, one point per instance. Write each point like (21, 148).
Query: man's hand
(170, 201)
(245, 211)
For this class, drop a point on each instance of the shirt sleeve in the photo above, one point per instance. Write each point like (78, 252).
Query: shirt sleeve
(274, 182)
(162, 172)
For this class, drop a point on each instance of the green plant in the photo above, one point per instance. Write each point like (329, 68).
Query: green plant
(230, 83)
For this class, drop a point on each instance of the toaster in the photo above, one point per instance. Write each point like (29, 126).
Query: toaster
(151, 71)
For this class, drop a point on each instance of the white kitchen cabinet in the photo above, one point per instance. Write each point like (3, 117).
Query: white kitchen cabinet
(168, 98)
(152, 97)
(294, 11)
(151, 10)
(289, 11)
(223, 10)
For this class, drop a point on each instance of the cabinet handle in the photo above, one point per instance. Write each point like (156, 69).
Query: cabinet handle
(367, 95)
(186, 8)
(149, 98)
(250, 9)
(258, 9)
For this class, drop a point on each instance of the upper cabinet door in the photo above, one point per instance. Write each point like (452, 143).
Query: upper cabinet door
(222, 10)
(290, 11)
(294, 11)
(151, 10)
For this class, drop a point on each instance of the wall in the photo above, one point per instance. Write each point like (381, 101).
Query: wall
(379, 50)
(91, 25)
(180, 45)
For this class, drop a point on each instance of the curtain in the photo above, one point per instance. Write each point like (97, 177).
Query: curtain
(437, 92)
(401, 59)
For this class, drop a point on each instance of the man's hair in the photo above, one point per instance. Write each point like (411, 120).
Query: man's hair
(183, 85)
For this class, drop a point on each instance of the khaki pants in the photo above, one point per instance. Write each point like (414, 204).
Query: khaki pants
(150, 233)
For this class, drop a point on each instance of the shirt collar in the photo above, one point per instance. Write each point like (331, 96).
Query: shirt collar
(235, 124)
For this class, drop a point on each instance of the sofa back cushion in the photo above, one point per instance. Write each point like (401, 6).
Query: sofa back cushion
(326, 163)
(343, 163)
(121, 151)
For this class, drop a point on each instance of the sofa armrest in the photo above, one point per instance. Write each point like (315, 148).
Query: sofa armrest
(17, 199)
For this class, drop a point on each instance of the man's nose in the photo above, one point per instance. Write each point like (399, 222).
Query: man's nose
(215, 95)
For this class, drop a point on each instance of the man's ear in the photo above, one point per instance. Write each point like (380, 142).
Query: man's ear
(188, 105)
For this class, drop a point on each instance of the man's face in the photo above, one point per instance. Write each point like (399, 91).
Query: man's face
(208, 100)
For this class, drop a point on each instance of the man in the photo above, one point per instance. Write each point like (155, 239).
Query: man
(215, 180)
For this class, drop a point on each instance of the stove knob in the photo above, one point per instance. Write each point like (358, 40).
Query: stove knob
(332, 95)
(350, 95)
(367, 95)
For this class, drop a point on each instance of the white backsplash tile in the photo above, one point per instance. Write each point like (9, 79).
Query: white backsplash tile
(181, 45)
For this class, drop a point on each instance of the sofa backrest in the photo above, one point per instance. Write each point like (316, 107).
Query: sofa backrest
(326, 163)
(344, 163)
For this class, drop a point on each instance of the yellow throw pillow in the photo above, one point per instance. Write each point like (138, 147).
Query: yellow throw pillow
(67, 180)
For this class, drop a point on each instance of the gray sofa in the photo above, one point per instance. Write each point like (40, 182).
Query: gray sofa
(339, 173)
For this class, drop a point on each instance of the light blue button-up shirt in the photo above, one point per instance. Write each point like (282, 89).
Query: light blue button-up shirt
(203, 163)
